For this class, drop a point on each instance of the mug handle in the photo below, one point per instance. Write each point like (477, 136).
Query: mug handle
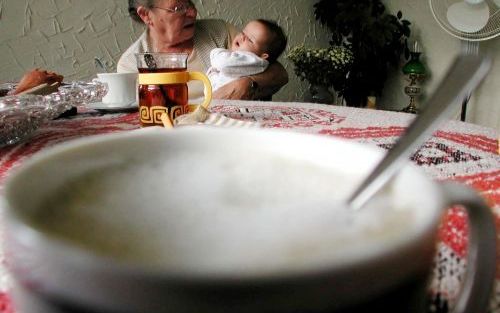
(208, 89)
(481, 258)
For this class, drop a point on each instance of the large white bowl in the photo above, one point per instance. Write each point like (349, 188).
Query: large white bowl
(367, 274)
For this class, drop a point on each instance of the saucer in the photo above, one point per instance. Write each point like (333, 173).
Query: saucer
(106, 107)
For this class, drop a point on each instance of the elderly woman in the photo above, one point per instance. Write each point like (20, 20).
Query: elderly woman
(172, 27)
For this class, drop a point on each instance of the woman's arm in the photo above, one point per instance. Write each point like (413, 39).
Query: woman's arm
(267, 83)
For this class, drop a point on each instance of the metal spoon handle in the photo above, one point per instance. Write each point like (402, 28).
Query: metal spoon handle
(464, 75)
(100, 65)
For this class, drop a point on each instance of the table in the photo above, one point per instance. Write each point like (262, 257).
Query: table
(458, 151)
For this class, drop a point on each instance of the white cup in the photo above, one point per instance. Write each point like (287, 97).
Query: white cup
(122, 88)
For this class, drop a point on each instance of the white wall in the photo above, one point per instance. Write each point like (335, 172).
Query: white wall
(439, 49)
(61, 35)
(65, 35)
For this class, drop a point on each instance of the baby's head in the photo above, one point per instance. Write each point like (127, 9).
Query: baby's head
(262, 37)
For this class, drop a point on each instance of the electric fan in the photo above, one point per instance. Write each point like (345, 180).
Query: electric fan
(470, 21)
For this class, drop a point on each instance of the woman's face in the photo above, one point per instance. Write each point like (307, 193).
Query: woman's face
(170, 27)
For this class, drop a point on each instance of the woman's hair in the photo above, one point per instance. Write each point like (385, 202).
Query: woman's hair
(132, 8)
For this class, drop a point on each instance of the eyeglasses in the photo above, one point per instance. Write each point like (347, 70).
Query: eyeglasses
(179, 9)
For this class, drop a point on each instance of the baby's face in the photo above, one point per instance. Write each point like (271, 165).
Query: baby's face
(253, 38)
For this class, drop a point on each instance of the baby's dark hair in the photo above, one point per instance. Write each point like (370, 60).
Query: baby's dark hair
(277, 43)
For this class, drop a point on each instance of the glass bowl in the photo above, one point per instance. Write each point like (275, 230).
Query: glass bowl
(22, 115)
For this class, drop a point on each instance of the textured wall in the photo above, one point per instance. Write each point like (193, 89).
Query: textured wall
(65, 35)
(62, 35)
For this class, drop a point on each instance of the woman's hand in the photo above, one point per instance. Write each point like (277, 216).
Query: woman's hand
(239, 89)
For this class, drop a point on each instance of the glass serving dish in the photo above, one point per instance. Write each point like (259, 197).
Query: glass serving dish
(22, 115)
(5, 88)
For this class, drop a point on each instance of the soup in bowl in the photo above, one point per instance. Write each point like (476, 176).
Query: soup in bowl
(216, 220)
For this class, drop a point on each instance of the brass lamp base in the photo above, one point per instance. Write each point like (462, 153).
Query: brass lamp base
(413, 90)
(411, 108)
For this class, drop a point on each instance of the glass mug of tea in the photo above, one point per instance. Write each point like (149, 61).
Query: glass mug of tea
(163, 86)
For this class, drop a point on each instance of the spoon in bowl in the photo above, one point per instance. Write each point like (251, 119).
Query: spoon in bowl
(464, 75)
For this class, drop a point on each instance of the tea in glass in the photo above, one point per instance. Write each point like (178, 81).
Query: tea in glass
(163, 86)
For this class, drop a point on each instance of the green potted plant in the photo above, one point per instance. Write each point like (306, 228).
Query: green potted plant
(322, 68)
(376, 38)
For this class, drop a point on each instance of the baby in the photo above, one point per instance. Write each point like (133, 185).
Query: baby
(260, 43)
